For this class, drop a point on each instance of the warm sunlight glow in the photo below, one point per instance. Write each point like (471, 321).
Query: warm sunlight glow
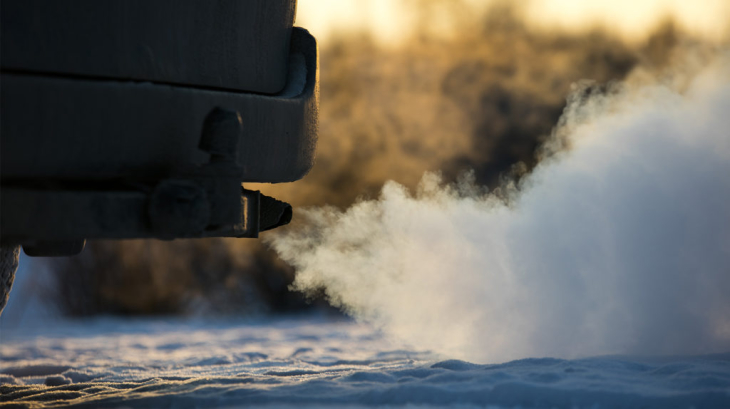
(392, 22)
(632, 18)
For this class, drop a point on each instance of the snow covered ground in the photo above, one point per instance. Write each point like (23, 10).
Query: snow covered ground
(305, 361)
(317, 361)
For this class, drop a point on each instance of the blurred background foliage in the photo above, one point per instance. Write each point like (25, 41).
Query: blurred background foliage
(481, 99)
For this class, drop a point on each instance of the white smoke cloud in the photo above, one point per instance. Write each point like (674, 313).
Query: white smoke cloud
(619, 244)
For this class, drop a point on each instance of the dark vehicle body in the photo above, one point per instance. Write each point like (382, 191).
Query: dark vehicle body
(142, 119)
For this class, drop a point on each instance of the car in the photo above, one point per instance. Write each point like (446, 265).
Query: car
(129, 119)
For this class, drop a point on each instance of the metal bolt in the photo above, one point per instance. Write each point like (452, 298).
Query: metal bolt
(179, 208)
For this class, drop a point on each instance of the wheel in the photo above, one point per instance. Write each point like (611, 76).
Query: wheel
(8, 264)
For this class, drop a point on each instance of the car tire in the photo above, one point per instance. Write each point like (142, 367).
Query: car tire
(9, 256)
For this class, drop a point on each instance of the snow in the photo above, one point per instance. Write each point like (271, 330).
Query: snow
(318, 361)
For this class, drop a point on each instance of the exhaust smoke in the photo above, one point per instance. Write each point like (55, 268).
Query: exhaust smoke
(617, 242)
